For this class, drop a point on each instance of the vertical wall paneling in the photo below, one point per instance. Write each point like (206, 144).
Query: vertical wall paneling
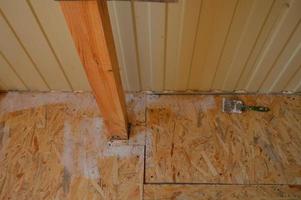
(278, 10)
(157, 42)
(28, 30)
(13, 50)
(289, 60)
(9, 77)
(240, 17)
(142, 19)
(150, 26)
(214, 24)
(275, 46)
(60, 39)
(190, 26)
(123, 28)
(174, 31)
(251, 31)
(295, 82)
(202, 45)
(3, 87)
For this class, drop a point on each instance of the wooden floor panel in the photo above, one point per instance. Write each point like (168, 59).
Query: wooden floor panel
(53, 146)
(192, 141)
(224, 192)
(58, 150)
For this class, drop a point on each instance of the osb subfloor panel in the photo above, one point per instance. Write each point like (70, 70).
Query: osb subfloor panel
(191, 141)
(53, 146)
(221, 192)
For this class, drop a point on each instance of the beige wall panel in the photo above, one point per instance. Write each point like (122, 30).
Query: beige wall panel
(295, 83)
(142, 19)
(289, 58)
(215, 20)
(14, 52)
(259, 14)
(9, 77)
(288, 72)
(2, 86)
(174, 26)
(157, 45)
(240, 17)
(150, 27)
(215, 44)
(52, 20)
(202, 45)
(121, 14)
(187, 42)
(27, 28)
(274, 47)
(180, 51)
(278, 10)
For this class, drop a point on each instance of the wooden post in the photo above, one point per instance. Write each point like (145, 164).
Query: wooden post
(90, 27)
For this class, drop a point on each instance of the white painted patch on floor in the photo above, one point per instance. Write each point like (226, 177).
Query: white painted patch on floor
(208, 103)
(16, 101)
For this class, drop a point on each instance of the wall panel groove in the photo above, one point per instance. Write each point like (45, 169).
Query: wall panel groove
(236, 43)
(202, 45)
(49, 44)
(15, 51)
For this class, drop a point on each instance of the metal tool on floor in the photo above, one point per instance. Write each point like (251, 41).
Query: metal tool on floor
(238, 106)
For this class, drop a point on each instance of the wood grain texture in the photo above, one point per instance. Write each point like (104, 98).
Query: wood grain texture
(191, 141)
(225, 192)
(54, 146)
(89, 25)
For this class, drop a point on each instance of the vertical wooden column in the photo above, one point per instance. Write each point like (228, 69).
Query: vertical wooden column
(90, 27)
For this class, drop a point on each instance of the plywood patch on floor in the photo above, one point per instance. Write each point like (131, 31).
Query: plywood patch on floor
(192, 141)
(58, 150)
(225, 192)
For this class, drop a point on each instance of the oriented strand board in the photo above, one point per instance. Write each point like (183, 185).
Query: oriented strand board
(192, 141)
(225, 192)
(53, 146)
(136, 108)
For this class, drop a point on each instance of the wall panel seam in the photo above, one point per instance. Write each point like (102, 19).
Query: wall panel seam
(194, 44)
(165, 44)
(13, 69)
(224, 45)
(279, 54)
(136, 44)
(149, 20)
(49, 44)
(253, 46)
(292, 77)
(24, 49)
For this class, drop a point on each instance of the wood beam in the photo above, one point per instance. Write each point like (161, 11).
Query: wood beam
(90, 27)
